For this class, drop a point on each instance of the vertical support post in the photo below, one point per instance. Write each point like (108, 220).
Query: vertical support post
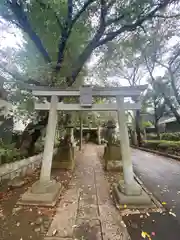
(72, 135)
(81, 132)
(145, 135)
(134, 129)
(124, 138)
(99, 135)
(49, 141)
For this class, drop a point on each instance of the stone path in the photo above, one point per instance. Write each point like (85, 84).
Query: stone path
(86, 211)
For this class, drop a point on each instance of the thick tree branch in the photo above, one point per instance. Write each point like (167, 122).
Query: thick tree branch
(84, 57)
(174, 57)
(150, 70)
(131, 27)
(66, 32)
(23, 21)
(103, 13)
(162, 64)
(173, 85)
(83, 9)
(70, 11)
(173, 109)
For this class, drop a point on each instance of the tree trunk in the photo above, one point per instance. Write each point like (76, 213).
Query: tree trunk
(173, 109)
(157, 128)
(156, 119)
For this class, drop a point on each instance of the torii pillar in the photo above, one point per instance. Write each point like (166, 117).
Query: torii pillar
(99, 135)
(128, 191)
(45, 191)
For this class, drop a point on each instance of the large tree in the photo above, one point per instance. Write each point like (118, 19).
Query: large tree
(57, 27)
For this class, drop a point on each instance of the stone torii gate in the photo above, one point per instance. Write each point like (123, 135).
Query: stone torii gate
(46, 191)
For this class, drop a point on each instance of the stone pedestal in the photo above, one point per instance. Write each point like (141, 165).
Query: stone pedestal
(112, 157)
(42, 194)
(64, 158)
(132, 196)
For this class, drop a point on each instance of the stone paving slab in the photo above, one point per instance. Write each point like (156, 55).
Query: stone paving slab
(57, 238)
(87, 211)
(88, 230)
(71, 195)
(64, 220)
(112, 225)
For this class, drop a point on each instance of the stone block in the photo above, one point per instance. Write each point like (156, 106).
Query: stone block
(114, 166)
(112, 158)
(132, 190)
(16, 182)
(64, 158)
(64, 220)
(131, 201)
(111, 223)
(87, 211)
(41, 194)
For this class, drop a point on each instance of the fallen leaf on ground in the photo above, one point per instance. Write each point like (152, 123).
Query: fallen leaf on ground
(173, 214)
(145, 234)
(54, 232)
(18, 224)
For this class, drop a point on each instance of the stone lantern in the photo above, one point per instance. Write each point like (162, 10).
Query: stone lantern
(112, 151)
(64, 158)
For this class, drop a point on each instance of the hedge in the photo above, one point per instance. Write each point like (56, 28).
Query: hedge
(171, 136)
(165, 136)
(152, 136)
(171, 147)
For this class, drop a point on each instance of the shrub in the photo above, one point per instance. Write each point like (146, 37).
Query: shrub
(8, 153)
(39, 147)
(152, 136)
(172, 147)
(171, 136)
(163, 145)
(153, 144)
(165, 136)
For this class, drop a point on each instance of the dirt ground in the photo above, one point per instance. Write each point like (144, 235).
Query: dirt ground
(21, 222)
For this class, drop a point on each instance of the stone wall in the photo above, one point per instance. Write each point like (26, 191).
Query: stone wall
(11, 170)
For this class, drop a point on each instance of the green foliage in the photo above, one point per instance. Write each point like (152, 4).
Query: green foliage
(171, 136)
(153, 144)
(152, 136)
(146, 124)
(171, 147)
(8, 153)
(165, 136)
